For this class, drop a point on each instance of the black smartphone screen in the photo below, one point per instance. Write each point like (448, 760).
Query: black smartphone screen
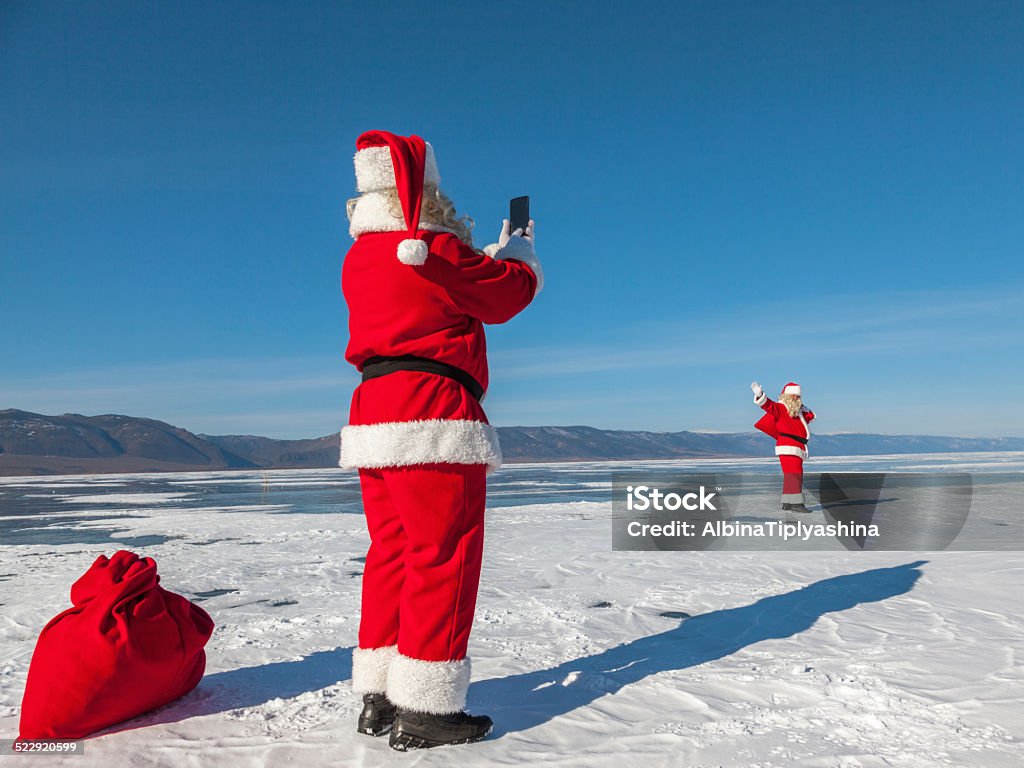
(519, 213)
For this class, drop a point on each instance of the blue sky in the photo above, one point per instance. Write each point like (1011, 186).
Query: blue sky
(822, 192)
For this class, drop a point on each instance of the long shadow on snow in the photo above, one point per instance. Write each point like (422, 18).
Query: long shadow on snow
(519, 702)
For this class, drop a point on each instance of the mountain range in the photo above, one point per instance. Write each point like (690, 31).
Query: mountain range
(34, 444)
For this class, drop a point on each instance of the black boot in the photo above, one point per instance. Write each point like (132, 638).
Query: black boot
(798, 508)
(378, 714)
(421, 730)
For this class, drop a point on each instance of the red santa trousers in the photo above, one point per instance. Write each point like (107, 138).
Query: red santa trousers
(792, 479)
(420, 581)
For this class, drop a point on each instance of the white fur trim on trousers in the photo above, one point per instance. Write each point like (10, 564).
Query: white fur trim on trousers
(426, 441)
(437, 687)
(370, 668)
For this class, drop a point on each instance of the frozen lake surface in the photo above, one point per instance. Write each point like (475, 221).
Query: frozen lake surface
(582, 655)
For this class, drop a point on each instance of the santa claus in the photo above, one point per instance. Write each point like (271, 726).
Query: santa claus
(418, 296)
(786, 421)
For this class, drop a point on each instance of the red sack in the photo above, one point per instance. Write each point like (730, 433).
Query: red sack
(768, 425)
(126, 647)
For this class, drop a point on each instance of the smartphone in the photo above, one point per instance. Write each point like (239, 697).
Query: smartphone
(519, 213)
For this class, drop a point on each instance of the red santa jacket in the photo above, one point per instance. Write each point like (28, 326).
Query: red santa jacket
(779, 424)
(435, 310)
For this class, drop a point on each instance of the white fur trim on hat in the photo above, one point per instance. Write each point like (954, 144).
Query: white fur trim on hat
(375, 171)
(437, 687)
(791, 389)
(412, 252)
(520, 249)
(370, 668)
(372, 213)
(426, 441)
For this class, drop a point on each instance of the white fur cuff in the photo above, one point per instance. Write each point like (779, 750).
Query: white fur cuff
(426, 441)
(520, 249)
(370, 668)
(437, 687)
(761, 399)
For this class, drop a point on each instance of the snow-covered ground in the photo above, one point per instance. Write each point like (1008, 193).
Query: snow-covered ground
(583, 656)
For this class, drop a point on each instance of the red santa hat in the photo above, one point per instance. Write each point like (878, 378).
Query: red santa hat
(791, 389)
(385, 161)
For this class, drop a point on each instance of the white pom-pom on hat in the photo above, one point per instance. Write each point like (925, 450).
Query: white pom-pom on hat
(412, 252)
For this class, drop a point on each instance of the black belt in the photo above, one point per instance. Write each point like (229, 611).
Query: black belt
(382, 366)
(802, 440)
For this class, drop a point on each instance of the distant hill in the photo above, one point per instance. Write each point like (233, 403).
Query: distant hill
(588, 443)
(33, 444)
(292, 454)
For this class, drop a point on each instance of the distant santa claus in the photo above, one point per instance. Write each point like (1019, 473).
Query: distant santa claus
(787, 421)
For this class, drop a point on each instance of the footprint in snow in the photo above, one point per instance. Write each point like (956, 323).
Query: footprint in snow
(200, 596)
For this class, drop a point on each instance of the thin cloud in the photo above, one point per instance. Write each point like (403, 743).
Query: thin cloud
(865, 324)
(622, 381)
